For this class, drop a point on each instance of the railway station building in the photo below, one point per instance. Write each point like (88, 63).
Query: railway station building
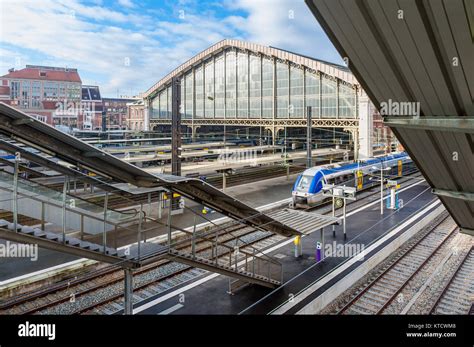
(235, 84)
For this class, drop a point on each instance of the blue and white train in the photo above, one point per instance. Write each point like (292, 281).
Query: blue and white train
(307, 190)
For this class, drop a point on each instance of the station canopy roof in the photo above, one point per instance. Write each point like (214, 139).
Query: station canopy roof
(417, 54)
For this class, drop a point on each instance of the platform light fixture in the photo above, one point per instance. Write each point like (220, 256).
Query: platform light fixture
(340, 192)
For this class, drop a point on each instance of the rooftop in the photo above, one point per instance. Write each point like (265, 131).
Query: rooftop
(46, 73)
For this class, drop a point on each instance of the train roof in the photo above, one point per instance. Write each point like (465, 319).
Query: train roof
(351, 166)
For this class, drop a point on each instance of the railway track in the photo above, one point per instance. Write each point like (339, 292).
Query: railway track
(89, 291)
(458, 295)
(101, 291)
(382, 290)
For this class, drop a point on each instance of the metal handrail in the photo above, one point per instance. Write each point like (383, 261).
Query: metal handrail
(76, 210)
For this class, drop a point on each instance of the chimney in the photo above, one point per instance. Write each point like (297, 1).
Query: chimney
(11, 70)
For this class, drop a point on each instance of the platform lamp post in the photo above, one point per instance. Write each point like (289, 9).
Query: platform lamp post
(308, 137)
(341, 192)
(382, 169)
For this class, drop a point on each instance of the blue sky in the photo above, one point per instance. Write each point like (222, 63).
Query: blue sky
(125, 46)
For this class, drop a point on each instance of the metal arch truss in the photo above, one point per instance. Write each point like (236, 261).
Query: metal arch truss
(317, 123)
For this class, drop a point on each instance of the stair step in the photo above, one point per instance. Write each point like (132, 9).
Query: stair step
(72, 241)
(26, 230)
(52, 237)
(39, 233)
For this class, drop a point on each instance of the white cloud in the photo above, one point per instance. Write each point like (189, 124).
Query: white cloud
(286, 24)
(126, 3)
(69, 33)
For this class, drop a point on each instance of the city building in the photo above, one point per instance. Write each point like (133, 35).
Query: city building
(136, 115)
(116, 112)
(92, 107)
(50, 94)
(239, 84)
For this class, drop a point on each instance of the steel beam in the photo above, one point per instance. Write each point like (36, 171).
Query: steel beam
(451, 124)
(175, 127)
(65, 248)
(128, 292)
(453, 194)
(466, 231)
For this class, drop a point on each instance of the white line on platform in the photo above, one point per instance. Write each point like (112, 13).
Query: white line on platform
(171, 309)
(214, 275)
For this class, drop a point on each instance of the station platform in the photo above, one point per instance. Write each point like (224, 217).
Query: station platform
(254, 194)
(208, 294)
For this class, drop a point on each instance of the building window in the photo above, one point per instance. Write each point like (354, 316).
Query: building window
(312, 93)
(25, 94)
(14, 90)
(163, 103)
(209, 91)
(220, 87)
(36, 94)
(199, 94)
(231, 90)
(188, 105)
(255, 85)
(242, 85)
(346, 101)
(267, 88)
(282, 90)
(296, 93)
(328, 98)
(51, 90)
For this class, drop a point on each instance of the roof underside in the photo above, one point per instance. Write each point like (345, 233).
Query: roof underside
(422, 52)
(331, 69)
(34, 133)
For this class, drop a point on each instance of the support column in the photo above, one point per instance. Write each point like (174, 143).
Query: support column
(175, 127)
(128, 292)
(309, 162)
(15, 191)
(146, 115)
(355, 134)
(365, 127)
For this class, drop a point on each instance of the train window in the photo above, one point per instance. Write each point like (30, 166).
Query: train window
(305, 183)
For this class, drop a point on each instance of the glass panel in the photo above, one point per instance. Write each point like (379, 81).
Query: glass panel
(181, 106)
(155, 108)
(312, 92)
(15, 89)
(282, 90)
(296, 93)
(328, 98)
(163, 104)
(255, 86)
(220, 87)
(346, 101)
(168, 102)
(188, 105)
(230, 85)
(242, 86)
(199, 96)
(36, 94)
(267, 88)
(209, 90)
(25, 94)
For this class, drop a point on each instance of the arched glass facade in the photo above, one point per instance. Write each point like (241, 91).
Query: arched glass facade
(241, 84)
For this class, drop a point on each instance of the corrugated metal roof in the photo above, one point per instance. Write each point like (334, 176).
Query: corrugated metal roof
(422, 52)
(70, 149)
